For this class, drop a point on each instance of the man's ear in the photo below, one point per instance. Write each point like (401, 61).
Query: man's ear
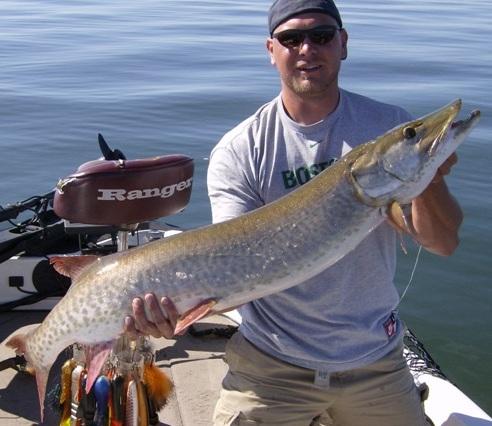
(269, 47)
(344, 36)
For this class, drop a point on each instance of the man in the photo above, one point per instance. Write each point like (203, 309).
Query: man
(330, 350)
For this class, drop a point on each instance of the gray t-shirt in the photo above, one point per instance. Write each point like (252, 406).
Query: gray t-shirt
(344, 317)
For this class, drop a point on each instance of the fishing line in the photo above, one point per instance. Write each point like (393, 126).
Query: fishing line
(412, 273)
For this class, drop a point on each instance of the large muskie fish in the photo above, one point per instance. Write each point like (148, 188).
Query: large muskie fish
(280, 245)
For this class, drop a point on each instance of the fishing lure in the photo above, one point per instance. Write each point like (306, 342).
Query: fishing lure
(76, 388)
(101, 389)
(131, 406)
(143, 412)
(159, 386)
(117, 408)
(87, 405)
(130, 392)
(66, 391)
(153, 416)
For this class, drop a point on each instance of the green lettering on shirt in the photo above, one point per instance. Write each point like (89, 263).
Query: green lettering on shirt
(301, 175)
(289, 179)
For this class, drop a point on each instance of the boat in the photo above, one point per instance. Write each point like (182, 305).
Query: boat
(30, 287)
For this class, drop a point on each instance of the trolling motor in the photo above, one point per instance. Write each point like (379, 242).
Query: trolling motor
(121, 193)
(107, 152)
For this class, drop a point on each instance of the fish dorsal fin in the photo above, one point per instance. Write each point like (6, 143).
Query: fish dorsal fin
(72, 266)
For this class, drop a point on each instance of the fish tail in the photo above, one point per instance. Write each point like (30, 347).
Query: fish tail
(19, 343)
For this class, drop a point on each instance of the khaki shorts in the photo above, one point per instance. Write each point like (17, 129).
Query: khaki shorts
(261, 390)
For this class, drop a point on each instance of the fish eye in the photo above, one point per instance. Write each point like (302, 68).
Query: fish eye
(409, 132)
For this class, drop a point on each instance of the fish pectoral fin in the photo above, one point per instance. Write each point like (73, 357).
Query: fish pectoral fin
(72, 266)
(194, 314)
(96, 356)
(401, 222)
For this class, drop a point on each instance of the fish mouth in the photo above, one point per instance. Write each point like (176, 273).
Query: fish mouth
(465, 123)
(430, 131)
(456, 128)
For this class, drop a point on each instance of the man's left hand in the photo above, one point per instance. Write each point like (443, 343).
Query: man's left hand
(160, 321)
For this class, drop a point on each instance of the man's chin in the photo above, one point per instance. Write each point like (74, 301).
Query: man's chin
(308, 89)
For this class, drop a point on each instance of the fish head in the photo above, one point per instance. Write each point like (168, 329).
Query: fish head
(399, 165)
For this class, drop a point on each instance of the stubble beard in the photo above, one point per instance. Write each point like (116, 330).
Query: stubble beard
(309, 88)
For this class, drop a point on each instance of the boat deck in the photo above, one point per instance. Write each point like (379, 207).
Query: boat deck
(194, 364)
(196, 367)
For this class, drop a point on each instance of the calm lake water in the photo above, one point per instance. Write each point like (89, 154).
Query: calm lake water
(158, 77)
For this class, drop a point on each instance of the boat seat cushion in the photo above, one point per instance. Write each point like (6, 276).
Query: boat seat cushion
(125, 192)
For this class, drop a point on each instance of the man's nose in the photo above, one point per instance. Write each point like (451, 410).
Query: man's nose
(306, 45)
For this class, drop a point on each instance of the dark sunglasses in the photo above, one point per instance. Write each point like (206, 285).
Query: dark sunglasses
(292, 39)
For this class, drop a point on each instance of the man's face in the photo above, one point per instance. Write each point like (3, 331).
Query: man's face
(309, 69)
